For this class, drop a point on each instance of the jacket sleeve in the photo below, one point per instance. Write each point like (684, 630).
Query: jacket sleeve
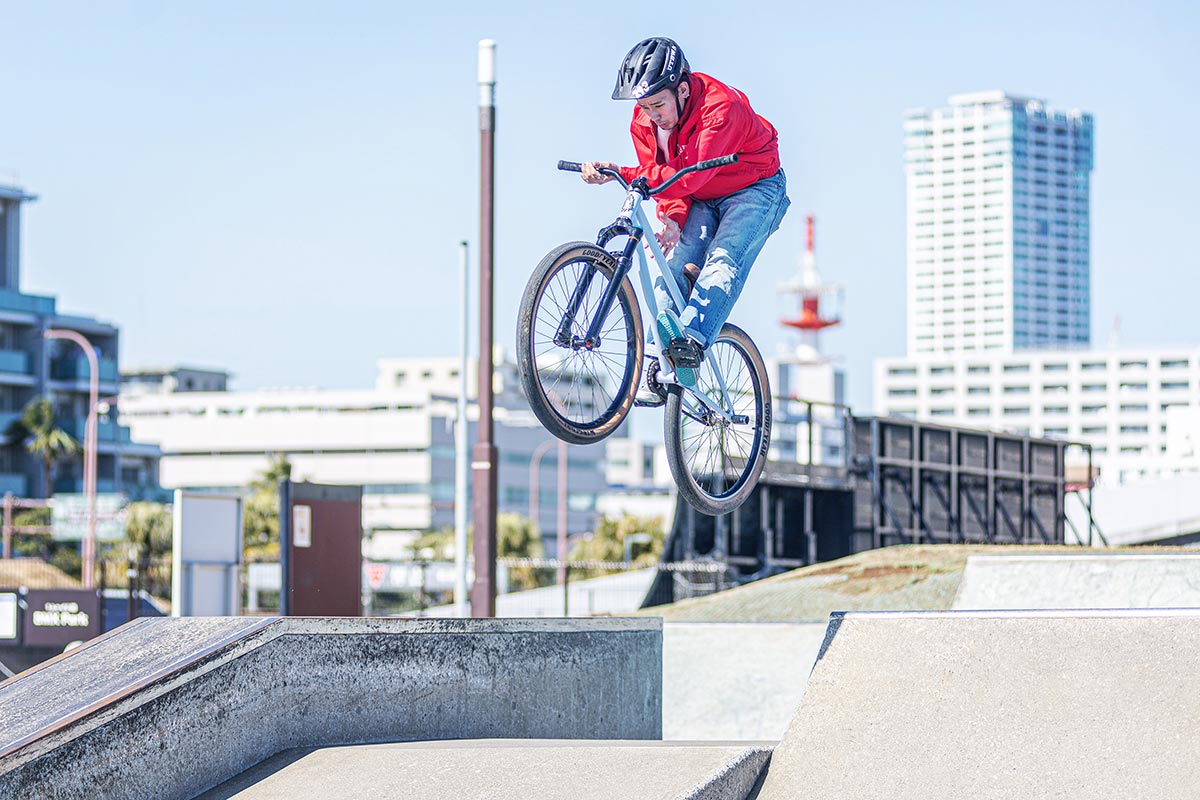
(723, 131)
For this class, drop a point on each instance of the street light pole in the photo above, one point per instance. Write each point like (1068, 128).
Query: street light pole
(484, 458)
(535, 461)
(461, 605)
(89, 448)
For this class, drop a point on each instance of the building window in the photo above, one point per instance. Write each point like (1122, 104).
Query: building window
(902, 372)
(1172, 386)
(1094, 430)
(1016, 411)
(1090, 366)
(1173, 363)
(902, 392)
(1016, 390)
(978, 369)
(1054, 410)
(1133, 387)
(1135, 429)
(1013, 368)
(1134, 408)
(1094, 387)
(1055, 367)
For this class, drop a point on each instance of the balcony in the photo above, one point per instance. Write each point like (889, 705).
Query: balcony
(28, 303)
(75, 368)
(15, 362)
(108, 430)
(14, 483)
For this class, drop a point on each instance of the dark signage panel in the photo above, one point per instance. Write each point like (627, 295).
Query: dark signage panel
(321, 548)
(57, 617)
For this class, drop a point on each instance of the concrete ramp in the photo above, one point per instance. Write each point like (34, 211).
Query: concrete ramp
(1036, 704)
(167, 708)
(1151, 580)
(505, 770)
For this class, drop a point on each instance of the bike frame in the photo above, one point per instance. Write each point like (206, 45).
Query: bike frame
(632, 223)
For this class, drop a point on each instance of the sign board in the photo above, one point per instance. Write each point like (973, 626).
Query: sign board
(320, 548)
(9, 617)
(57, 617)
(302, 525)
(206, 555)
(69, 517)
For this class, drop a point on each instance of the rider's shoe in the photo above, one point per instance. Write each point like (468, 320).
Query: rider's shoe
(650, 393)
(684, 353)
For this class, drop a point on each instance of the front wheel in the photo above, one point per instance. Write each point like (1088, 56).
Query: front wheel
(716, 462)
(579, 390)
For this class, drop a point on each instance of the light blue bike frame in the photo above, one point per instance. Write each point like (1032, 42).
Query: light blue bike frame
(666, 374)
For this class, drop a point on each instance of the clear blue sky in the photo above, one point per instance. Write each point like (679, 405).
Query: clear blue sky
(279, 187)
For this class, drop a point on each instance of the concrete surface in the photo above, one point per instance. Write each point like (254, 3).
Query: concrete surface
(1080, 581)
(735, 681)
(500, 770)
(1153, 510)
(1033, 704)
(164, 708)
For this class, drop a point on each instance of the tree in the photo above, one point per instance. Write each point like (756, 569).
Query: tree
(260, 512)
(148, 527)
(645, 536)
(38, 427)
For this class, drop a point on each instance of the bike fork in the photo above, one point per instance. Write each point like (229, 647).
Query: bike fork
(591, 339)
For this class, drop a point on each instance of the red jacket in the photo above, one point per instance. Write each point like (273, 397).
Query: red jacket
(717, 120)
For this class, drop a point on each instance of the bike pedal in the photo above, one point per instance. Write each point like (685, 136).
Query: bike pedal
(684, 354)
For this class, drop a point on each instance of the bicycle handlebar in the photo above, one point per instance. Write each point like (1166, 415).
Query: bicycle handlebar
(712, 163)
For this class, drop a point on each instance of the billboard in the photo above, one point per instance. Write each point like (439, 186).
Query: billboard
(69, 517)
(57, 617)
(10, 617)
(207, 555)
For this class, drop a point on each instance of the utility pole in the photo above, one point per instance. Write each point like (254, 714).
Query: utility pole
(484, 459)
(461, 605)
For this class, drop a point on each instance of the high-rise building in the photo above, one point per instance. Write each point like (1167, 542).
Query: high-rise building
(33, 367)
(998, 214)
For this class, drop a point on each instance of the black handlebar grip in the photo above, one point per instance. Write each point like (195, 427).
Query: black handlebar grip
(717, 162)
(570, 166)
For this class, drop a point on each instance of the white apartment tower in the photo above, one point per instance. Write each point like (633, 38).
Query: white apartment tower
(998, 209)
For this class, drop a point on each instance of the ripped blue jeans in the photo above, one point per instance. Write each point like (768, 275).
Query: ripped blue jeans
(723, 236)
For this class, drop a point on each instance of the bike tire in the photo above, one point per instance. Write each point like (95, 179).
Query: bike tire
(716, 467)
(564, 410)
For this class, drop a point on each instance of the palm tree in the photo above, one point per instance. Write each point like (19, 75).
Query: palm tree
(44, 438)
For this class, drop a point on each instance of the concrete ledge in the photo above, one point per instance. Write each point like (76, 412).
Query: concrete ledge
(166, 708)
(1024, 704)
(1117, 580)
(506, 770)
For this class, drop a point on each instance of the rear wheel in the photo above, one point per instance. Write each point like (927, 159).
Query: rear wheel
(579, 390)
(716, 462)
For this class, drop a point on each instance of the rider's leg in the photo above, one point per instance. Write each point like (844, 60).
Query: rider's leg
(694, 239)
(747, 218)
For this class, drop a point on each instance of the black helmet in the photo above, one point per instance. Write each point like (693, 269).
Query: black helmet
(651, 66)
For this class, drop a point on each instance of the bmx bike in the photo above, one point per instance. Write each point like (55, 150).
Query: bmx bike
(580, 348)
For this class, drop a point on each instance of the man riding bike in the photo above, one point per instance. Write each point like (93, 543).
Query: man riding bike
(718, 218)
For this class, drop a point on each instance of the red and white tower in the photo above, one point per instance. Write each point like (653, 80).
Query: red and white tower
(810, 320)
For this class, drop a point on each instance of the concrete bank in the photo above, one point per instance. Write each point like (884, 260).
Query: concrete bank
(1029, 704)
(735, 681)
(505, 770)
(1117, 580)
(164, 708)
